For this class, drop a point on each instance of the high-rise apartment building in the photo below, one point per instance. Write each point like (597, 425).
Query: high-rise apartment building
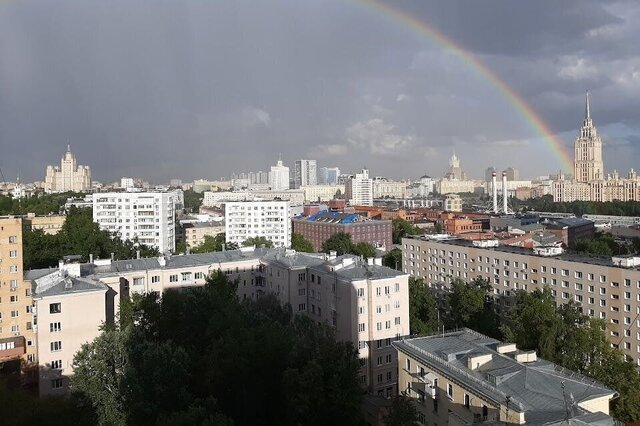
(305, 173)
(359, 189)
(68, 177)
(329, 175)
(146, 217)
(279, 177)
(250, 219)
(17, 344)
(605, 288)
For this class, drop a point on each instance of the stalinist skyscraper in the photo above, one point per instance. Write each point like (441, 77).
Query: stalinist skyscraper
(68, 177)
(588, 164)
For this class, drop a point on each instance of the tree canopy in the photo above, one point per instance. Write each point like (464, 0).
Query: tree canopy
(401, 228)
(424, 317)
(200, 356)
(393, 259)
(300, 243)
(40, 204)
(341, 243)
(216, 243)
(258, 242)
(79, 235)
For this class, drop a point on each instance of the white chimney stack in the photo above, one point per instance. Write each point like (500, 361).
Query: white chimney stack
(504, 192)
(495, 192)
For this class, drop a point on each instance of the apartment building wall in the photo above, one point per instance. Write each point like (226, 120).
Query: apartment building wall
(145, 216)
(375, 232)
(50, 224)
(601, 289)
(250, 219)
(194, 234)
(65, 323)
(17, 338)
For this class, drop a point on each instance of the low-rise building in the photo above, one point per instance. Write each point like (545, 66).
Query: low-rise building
(194, 233)
(49, 224)
(321, 226)
(216, 199)
(315, 193)
(465, 378)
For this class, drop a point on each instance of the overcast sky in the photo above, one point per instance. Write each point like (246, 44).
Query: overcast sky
(161, 89)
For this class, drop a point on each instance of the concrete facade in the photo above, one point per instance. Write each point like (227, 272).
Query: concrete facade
(249, 219)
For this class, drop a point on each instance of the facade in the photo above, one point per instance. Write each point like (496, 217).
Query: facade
(305, 173)
(214, 199)
(329, 175)
(455, 171)
(454, 186)
(605, 288)
(17, 338)
(385, 188)
(279, 177)
(249, 219)
(49, 224)
(359, 189)
(316, 193)
(590, 182)
(452, 203)
(366, 303)
(321, 226)
(465, 378)
(147, 217)
(194, 233)
(68, 177)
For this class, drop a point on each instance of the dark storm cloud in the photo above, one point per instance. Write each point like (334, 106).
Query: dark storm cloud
(188, 89)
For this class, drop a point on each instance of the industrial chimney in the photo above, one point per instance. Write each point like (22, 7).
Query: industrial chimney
(504, 192)
(495, 192)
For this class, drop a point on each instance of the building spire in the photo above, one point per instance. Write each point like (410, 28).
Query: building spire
(587, 108)
(68, 147)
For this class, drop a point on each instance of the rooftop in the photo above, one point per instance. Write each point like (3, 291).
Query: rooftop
(537, 388)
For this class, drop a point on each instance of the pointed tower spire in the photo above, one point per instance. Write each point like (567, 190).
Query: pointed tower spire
(68, 147)
(587, 108)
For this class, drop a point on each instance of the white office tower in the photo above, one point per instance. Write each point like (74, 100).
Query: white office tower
(147, 217)
(279, 177)
(329, 175)
(359, 189)
(305, 173)
(250, 219)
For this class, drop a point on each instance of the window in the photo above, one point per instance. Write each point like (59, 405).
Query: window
(12, 239)
(467, 400)
(13, 254)
(138, 281)
(361, 327)
(450, 390)
(13, 299)
(360, 292)
(198, 275)
(55, 327)
(302, 307)
(186, 276)
(397, 287)
(56, 346)
(57, 364)
(173, 278)
(397, 321)
(388, 359)
(155, 279)
(56, 384)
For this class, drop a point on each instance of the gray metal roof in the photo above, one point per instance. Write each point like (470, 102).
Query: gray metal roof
(534, 388)
(56, 284)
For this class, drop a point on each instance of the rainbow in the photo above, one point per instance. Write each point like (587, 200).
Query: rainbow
(532, 118)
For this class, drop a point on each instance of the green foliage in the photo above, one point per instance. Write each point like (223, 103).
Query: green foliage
(364, 249)
(20, 408)
(470, 306)
(211, 244)
(423, 309)
(192, 200)
(181, 247)
(567, 337)
(300, 243)
(402, 412)
(393, 259)
(200, 356)
(546, 204)
(438, 228)
(79, 235)
(39, 204)
(339, 242)
(258, 242)
(401, 228)
(601, 244)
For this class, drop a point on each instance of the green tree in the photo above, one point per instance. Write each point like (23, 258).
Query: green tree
(192, 200)
(423, 309)
(393, 259)
(465, 300)
(339, 242)
(438, 228)
(364, 249)
(400, 228)
(258, 242)
(301, 244)
(401, 412)
(211, 244)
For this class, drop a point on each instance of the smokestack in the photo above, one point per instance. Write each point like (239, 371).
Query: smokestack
(495, 192)
(504, 192)
(137, 254)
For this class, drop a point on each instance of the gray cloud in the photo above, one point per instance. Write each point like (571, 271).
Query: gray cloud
(190, 89)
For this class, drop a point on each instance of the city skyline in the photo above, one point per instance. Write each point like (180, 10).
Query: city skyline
(161, 95)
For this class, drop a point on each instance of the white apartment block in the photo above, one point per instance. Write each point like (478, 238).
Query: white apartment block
(605, 288)
(316, 193)
(146, 216)
(249, 219)
(368, 304)
(359, 189)
(279, 177)
(216, 199)
(305, 172)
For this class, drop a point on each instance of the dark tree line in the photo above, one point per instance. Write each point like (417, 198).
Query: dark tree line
(39, 204)
(578, 208)
(200, 356)
(341, 243)
(79, 235)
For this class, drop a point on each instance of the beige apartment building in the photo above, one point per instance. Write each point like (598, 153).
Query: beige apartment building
(49, 224)
(17, 339)
(604, 287)
(367, 303)
(465, 378)
(194, 233)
